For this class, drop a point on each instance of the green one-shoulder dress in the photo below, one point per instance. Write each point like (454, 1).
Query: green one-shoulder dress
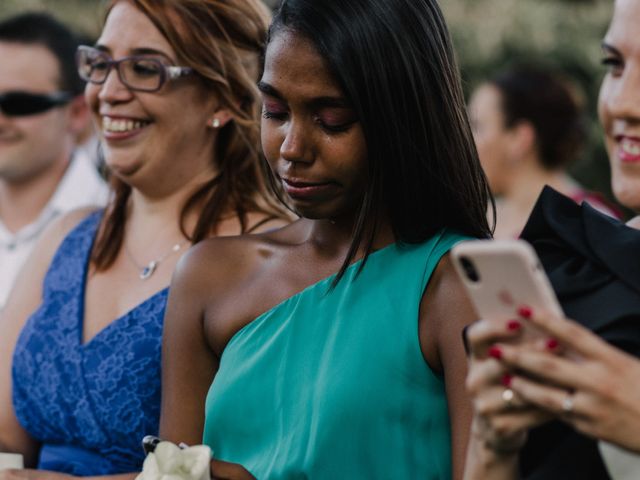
(332, 384)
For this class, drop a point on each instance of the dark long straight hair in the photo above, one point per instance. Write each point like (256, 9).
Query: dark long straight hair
(222, 41)
(394, 61)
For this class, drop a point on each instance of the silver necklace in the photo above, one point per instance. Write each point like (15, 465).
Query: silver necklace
(149, 269)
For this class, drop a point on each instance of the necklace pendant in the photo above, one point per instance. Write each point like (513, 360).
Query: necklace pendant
(148, 270)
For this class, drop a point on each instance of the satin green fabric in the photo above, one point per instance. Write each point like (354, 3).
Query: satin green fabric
(332, 384)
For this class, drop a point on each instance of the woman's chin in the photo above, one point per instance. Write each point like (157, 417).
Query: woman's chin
(121, 168)
(629, 197)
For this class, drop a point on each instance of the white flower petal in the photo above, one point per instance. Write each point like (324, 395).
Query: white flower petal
(169, 462)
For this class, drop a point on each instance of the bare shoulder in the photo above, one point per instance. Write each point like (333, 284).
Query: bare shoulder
(216, 260)
(220, 263)
(229, 281)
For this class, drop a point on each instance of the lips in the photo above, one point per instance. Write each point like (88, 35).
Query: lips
(122, 127)
(302, 183)
(305, 189)
(628, 150)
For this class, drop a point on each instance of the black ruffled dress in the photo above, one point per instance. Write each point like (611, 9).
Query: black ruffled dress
(593, 262)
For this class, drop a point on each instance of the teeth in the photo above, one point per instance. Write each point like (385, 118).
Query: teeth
(630, 147)
(120, 125)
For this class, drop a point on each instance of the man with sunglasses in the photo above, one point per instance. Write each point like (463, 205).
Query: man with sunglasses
(42, 112)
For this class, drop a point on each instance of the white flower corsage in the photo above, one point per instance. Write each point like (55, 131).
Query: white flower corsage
(170, 462)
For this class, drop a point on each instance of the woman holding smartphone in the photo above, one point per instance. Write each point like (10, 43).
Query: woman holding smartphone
(574, 376)
(331, 348)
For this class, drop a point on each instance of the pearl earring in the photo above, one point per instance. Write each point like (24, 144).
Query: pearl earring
(215, 123)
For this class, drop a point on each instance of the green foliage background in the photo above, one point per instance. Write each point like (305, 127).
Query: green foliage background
(83, 15)
(488, 35)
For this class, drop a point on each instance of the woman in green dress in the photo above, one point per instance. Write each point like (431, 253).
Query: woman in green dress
(331, 348)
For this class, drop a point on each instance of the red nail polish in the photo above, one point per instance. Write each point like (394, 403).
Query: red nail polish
(525, 312)
(552, 344)
(513, 325)
(506, 380)
(495, 352)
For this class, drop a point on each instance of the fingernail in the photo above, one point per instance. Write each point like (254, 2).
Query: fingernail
(525, 311)
(513, 325)
(506, 380)
(552, 344)
(495, 352)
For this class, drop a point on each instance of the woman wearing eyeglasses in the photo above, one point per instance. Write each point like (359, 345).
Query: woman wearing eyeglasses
(172, 91)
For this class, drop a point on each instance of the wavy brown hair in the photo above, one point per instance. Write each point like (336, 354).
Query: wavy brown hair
(222, 40)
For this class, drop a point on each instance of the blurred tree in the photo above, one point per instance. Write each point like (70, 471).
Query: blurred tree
(83, 15)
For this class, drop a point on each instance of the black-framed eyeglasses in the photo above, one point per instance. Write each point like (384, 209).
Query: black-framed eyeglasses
(22, 104)
(139, 72)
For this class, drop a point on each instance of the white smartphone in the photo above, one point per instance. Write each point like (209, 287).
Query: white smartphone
(502, 275)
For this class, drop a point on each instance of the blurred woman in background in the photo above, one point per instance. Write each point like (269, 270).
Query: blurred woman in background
(528, 127)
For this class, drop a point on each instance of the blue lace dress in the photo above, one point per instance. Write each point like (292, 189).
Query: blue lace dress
(88, 404)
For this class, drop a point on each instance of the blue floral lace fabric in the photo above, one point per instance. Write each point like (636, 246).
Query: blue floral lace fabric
(88, 404)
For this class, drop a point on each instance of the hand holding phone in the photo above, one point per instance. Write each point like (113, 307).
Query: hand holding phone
(502, 275)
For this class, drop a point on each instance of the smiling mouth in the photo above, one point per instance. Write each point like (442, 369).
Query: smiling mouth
(632, 147)
(629, 149)
(122, 125)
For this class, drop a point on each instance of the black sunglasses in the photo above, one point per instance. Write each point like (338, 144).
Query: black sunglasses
(19, 104)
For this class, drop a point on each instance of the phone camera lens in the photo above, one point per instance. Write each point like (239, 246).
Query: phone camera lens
(469, 269)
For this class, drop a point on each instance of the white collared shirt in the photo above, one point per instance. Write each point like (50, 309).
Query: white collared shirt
(80, 186)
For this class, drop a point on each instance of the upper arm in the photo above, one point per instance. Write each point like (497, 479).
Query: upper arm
(445, 311)
(188, 364)
(24, 299)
